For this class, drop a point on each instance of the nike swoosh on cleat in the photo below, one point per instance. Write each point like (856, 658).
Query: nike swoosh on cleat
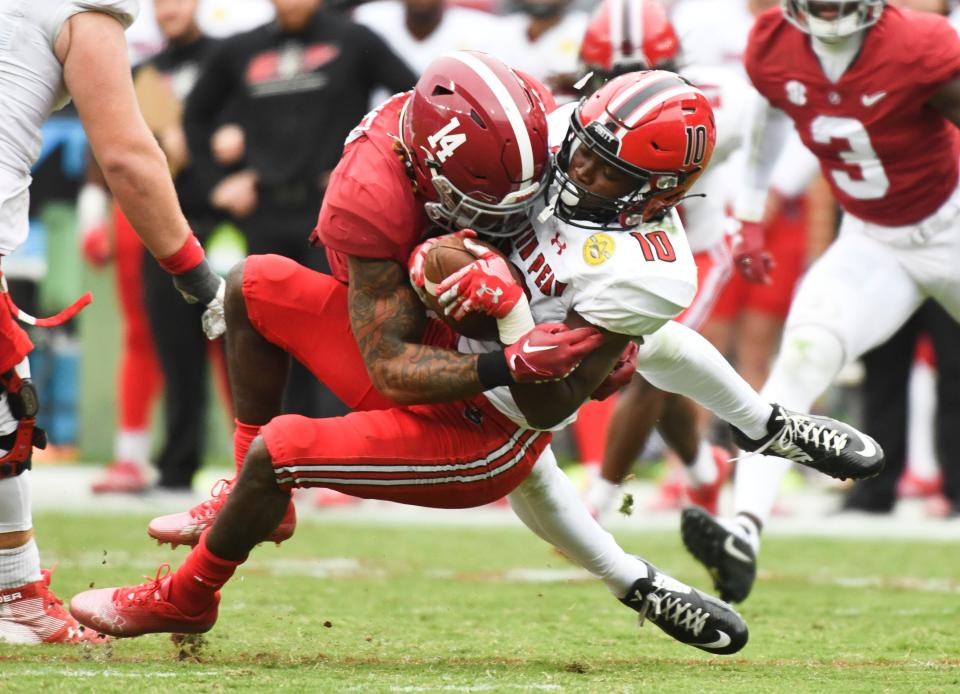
(732, 550)
(527, 348)
(722, 641)
(869, 450)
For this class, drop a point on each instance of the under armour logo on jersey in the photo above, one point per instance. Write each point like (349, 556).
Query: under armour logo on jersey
(448, 140)
(561, 247)
(796, 93)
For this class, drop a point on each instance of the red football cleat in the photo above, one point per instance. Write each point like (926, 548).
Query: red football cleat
(706, 496)
(142, 609)
(32, 614)
(121, 477)
(330, 498)
(186, 527)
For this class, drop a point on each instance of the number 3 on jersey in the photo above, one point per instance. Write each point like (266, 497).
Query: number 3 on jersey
(873, 183)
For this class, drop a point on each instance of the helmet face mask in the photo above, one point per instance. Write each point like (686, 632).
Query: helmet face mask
(455, 210)
(475, 136)
(652, 127)
(579, 206)
(832, 19)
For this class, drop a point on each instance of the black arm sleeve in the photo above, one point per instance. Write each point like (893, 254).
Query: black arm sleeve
(384, 67)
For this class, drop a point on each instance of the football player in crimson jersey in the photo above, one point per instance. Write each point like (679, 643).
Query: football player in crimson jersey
(874, 92)
(626, 35)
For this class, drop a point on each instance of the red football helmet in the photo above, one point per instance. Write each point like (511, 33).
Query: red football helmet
(627, 35)
(653, 126)
(476, 136)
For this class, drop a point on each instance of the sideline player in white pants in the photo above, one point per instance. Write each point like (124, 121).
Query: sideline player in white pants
(874, 92)
(51, 50)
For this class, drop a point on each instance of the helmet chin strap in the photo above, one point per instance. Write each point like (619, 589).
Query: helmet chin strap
(548, 211)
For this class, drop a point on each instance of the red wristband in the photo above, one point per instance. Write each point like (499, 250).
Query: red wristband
(188, 257)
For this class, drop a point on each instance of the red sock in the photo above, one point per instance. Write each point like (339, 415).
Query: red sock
(193, 585)
(243, 436)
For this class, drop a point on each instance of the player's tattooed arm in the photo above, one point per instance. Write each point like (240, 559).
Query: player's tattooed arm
(388, 322)
(547, 404)
(947, 101)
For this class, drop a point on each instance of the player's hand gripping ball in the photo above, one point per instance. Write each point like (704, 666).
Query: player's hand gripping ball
(477, 282)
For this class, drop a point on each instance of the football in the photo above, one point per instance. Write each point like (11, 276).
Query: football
(446, 257)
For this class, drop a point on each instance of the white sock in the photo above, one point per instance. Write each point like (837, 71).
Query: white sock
(133, 446)
(703, 471)
(548, 504)
(19, 566)
(809, 359)
(15, 496)
(680, 360)
(602, 495)
(744, 528)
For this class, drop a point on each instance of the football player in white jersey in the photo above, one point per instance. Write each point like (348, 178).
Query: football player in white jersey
(51, 50)
(626, 35)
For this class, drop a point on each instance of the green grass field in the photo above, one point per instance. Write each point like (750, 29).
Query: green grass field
(345, 607)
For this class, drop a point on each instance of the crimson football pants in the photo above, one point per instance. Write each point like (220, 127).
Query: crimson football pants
(449, 455)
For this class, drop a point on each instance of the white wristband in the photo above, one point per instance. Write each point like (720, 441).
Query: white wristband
(517, 323)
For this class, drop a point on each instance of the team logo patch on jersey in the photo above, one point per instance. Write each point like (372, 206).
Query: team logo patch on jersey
(796, 93)
(598, 249)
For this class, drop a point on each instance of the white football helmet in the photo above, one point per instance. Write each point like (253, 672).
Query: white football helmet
(832, 19)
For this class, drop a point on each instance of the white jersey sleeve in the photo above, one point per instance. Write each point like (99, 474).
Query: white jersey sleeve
(125, 11)
(31, 85)
(632, 283)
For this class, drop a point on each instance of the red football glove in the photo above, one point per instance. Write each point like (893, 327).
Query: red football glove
(550, 351)
(749, 255)
(620, 376)
(419, 255)
(484, 286)
(95, 246)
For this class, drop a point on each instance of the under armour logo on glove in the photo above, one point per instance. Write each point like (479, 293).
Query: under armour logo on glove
(484, 286)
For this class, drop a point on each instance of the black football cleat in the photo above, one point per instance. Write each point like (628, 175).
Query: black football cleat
(686, 614)
(822, 443)
(730, 560)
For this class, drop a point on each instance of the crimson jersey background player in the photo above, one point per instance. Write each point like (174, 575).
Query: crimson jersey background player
(890, 157)
(874, 92)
